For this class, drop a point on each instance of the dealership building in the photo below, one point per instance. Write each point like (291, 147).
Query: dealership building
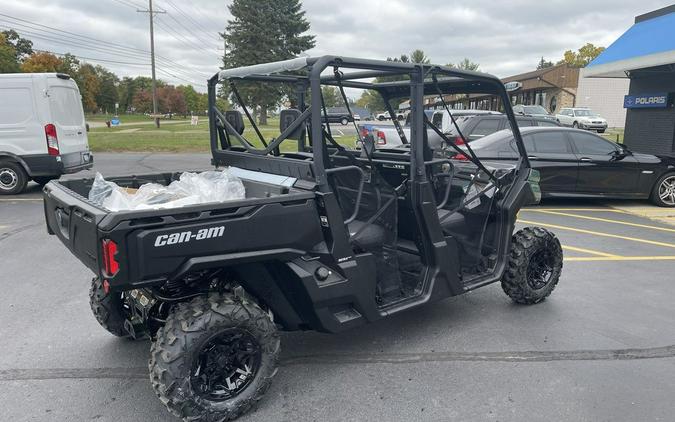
(645, 57)
(553, 88)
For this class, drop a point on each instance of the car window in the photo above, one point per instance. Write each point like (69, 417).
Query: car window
(537, 109)
(551, 142)
(586, 143)
(485, 127)
(584, 113)
(525, 122)
(547, 124)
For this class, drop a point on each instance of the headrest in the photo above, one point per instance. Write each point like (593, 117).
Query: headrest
(286, 118)
(235, 119)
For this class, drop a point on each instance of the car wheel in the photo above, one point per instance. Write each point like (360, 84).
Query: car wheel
(380, 118)
(13, 178)
(344, 121)
(663, 193)
(575, 125)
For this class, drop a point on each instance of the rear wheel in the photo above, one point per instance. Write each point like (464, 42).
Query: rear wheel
(534, 265)
(214, 358)
(663, 193)
(108, 308)
(575, 125)
(13, 178)
(344, 121)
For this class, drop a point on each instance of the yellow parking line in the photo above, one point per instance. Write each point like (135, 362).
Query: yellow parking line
(615, 236)
(577, 209)
(588, 251)
(606, 220)
(620, 258)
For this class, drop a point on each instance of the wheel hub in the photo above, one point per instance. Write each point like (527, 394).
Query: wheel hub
(540, 269)
(667, 190)
(8, 178)
(226, 365)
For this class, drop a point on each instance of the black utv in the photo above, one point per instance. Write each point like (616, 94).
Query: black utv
(327, 238)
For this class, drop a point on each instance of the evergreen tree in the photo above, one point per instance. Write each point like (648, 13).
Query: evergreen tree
(264, 31)
(543, 64)
(331, 96)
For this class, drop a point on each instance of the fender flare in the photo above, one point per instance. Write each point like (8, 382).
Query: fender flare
(15, 158)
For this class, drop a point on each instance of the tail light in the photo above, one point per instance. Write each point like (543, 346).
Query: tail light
(460, 157)
(110, 264)
(52, 139)
(459, 140)
(381, 139)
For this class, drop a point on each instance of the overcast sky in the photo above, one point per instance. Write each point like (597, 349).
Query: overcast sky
(504, 37)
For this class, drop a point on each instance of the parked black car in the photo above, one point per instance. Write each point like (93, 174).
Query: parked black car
(478, 126)
(576, 163)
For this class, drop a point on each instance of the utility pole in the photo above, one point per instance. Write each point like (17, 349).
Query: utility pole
(151, 13)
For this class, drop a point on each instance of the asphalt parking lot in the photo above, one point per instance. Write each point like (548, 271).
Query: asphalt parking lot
(601, 348)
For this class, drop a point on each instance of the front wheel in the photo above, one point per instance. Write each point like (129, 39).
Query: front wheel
(214, 358)
(663, 193)
(344, 121)
(575, 125)
(534, 266)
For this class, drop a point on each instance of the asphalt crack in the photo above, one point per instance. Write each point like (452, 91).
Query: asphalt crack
(367, 358)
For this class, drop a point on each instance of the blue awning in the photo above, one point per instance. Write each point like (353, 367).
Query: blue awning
(648, 43)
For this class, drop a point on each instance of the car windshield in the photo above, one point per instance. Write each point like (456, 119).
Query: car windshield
(503, 136)
(584, 113)
(535, 110)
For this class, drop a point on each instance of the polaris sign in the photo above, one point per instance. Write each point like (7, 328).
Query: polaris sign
(646, 101)
(512, 86)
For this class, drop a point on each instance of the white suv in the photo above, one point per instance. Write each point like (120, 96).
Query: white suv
(582, 118)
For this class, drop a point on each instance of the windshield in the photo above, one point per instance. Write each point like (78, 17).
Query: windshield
(584, 113)
(535, 110)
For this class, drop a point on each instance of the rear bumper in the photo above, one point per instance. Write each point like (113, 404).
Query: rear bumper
(49, 165)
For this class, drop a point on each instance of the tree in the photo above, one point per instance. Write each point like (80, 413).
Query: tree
(371, 100)
(8, 62)
(581, 57)
(69, 65)
(89, 84)
(263, 31)
(107, 95)
(41, 62)
(331, 96)
(543, 64)
(22, 47)
(418, 56)
(142, 101)
(191, 98)
(465, 64)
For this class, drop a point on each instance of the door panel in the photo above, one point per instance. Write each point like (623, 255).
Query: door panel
(21, 132)
(601, 171)
(551, 154)
(67, 116)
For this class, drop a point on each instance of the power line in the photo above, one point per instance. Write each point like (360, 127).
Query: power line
(190, 20)
(179, 37)
(71, 36)
(94, 58)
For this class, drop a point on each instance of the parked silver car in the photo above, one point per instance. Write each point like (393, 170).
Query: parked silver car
(582, 118)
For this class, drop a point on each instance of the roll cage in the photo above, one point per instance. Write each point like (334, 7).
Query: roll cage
(306, 76)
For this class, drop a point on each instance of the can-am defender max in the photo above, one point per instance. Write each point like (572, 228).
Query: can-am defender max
(328, 238)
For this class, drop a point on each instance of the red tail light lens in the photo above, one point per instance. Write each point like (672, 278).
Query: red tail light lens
(459, 140)
(52, 139)
(381, 139)
(460, 157)
(110, 264)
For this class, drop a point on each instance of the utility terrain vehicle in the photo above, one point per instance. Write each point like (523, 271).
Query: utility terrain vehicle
(328, 238)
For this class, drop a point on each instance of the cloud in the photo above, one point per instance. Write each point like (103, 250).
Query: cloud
(504, 37)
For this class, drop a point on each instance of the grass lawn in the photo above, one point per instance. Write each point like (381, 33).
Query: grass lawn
(614, 134)
(177, 137)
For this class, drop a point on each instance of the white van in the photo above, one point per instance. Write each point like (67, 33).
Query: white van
(42, 129)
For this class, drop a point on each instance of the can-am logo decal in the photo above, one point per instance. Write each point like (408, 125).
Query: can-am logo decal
(184, 237)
